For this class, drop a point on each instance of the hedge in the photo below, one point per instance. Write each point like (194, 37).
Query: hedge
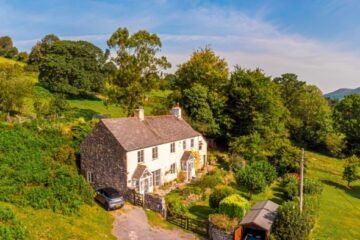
(234, 206)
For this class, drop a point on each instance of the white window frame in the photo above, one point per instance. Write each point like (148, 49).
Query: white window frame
(184, 144)
(173, 168)
(155, 153)
(140, 156)
(200, 145)
(156, 177)
(172, 147)
(192, 142)
(90, 176)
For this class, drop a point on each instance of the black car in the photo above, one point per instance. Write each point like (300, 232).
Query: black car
(110, 198)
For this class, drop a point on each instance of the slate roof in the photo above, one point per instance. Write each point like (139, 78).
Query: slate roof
(139, 171)
(134, 134)
(186, 156)
(262, 214)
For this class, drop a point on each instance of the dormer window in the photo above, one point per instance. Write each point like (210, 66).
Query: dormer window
(172, 147)
(140, 155)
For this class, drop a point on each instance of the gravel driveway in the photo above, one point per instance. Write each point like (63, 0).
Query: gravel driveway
(131, 224)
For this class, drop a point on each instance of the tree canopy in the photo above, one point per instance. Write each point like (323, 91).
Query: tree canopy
(139, 67)
(7, 48)
(72, 67)
(40, 49)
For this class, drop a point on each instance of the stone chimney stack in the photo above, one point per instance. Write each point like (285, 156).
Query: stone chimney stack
(139, 113)
(176, 111)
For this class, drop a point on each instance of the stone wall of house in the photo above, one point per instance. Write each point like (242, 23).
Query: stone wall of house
(219, 234)
(102, 155)
(155, 202)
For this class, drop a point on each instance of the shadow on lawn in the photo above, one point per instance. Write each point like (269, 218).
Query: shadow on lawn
(354, 191)
(201, 212)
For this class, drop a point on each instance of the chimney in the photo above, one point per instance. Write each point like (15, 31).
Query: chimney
(176, 111)
(139, 113)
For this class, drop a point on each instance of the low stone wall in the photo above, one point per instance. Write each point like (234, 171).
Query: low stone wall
(155, 203)
(219, 234)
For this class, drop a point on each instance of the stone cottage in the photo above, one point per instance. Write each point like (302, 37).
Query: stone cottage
(142, 152)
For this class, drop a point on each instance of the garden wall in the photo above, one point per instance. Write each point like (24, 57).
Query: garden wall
(155, 203)
(219, 234)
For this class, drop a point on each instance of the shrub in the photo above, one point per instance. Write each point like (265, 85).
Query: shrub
(219, 194)
(65, 155)
(290, 186)
(211, 180)
(191, 190)
(223, 222)
(290, 224)
(10, 227)
(174, 204)
(266, 169)
(312, 186)
(234, 206)
(250, 179)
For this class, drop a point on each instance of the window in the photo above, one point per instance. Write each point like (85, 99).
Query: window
(155, 153)
(192, 143)
(140, 156)
(172, 147)
(184, 144)
(172, 168)
(156, 177)
(200, 145)
(90, 177)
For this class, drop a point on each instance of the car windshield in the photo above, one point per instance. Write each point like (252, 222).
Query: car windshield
(111, 193)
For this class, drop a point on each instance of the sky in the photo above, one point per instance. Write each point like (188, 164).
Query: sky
(317, 40)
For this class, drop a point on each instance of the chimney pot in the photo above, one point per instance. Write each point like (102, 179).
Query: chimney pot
(139, 113)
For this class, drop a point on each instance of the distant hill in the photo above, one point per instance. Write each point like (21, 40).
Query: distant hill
(342, 92)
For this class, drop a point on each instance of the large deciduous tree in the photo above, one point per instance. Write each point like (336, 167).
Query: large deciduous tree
(200, 86)
(347, 118)
(139, 67)
(7, 48)
(310, 119)
(14, 88)
(72, 67)
(40, 49)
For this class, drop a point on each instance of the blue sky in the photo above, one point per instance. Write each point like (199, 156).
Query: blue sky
(318, 40)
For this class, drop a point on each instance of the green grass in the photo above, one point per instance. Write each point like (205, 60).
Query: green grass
(156, 220)
(10, 61)
(339, 216)
(91, 223)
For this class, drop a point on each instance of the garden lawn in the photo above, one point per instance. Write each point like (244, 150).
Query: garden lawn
(91, 223)
(340, 207)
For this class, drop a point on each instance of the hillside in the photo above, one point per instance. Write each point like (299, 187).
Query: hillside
(342, 92)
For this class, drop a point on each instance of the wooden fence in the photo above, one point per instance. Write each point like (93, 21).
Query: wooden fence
(188, 223)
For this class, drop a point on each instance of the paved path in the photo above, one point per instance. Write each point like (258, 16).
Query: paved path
(131, 224)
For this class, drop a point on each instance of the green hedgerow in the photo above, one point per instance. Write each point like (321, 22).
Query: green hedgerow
(234, 206)
(219, 194)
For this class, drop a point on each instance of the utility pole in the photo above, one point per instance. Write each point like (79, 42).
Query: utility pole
(302, 180)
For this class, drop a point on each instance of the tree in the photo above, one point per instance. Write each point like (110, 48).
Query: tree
(350, 170)
(7, 48)
(310, 119)
(347, 119)
(289, 224)
(14, 88)
(22, 57)
(139, 67)
(72, 67)
(267, 169)
(39, 50)
(250, 179)
(200, 88)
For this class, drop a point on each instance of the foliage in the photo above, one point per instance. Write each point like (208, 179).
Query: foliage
(219, 194)
(224, 222)
(65, 155)
(289, 224)
(174, 204)
(22, 57)
(312, 186)
(310, 115)
(350, 173)
(40, 49)
(200, 83)
(29, 174)
(7, 48)
(335, 144)
(10, 227)
(72, 67)
(14, 88)
(290, 185)
(267, 170)
(252, 180)
(211, 180)
(139, 67)
(347, 118)
(234, 206)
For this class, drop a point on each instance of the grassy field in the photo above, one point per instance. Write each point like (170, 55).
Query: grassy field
(340, 206)
(10, 61)
(91, 223)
